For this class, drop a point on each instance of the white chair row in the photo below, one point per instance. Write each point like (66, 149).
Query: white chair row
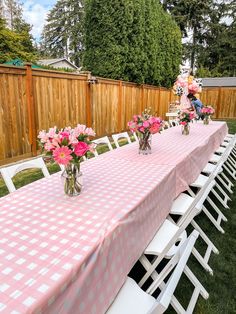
(187, 207)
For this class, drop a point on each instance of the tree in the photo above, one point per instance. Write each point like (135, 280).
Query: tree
(190, 15)
(212, 31)
(125, 39)
(11, 12)
(217, 54)
(12, 45)
(63, 33)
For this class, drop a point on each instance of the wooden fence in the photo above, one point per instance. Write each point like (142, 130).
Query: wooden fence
(35, 99)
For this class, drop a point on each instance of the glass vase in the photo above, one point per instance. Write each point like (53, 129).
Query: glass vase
(145, 143)
(206, 120)
(185, 129)
(72, 179)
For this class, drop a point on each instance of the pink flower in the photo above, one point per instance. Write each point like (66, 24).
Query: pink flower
(62, 155)
(183, 122)
(145, 124)
(64, 135)
(43, 136)
(48, 146)
(154, 128)
(89, 132)
(81, 148)
(92, 147)
(80, 129)
(52, 132)
(133, 126)
(141, 129)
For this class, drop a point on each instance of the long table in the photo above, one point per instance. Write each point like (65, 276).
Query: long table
(71, 255)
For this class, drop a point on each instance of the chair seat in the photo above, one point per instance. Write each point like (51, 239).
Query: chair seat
(210, 168)
(220, 150)
(181, 204)
(131, 299)
(163, 237)
(215, 158)
(200, 181)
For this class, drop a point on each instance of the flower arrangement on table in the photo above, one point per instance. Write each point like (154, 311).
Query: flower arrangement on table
(144, 126)
(207, 111)
(67, 147)
(185, 116)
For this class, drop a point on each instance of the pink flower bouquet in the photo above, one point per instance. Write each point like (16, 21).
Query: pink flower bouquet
(144, 125)
(207, 111)
(67, 146)
(185, 116)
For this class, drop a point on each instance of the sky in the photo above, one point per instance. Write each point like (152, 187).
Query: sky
(35, 13)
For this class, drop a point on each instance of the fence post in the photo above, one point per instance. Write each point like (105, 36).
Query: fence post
(31, 109)
(219, 103)
(88, 102)
(119, 109)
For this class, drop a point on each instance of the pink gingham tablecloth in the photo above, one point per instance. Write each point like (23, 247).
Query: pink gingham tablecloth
(187, 153)
(71, 255)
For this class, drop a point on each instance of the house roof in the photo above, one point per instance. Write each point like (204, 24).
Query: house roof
(219, 81)
(53, 61)
(19, 62)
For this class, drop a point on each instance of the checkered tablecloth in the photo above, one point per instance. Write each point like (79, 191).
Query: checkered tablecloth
(71, 255)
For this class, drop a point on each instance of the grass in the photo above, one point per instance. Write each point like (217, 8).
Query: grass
(222, 285)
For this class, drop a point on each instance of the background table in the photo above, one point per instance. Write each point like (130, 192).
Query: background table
(71, 255)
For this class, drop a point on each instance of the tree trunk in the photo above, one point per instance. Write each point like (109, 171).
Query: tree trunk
(193, 52)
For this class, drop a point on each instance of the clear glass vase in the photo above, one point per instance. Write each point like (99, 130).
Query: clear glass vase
(185, 129)
(72, 179)
(145, 143)
(206, 120)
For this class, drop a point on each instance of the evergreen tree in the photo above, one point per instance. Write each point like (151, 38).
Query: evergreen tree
(190, 15)
(211, 24)
(217, 55)
(106, 37)
(63, 33)
(12, 45)
(124, 40)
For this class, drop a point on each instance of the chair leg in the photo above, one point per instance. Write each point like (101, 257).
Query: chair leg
(215, 222)
(231, 171)
(228, 185)
(210, 247)
(232, 161)
(222, 200)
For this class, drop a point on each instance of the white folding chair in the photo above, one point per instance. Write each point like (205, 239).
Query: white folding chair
(173, 123)
(135, 136)
(182, 205)
(10, 171)
(118, 136)
(102, 141)
(131, 299)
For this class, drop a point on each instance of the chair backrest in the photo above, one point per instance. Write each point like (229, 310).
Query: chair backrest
(118, 136)
(167, 293)
(173, 122)
(135, 136)
(132, 299)
(9, 172)
(102, 140)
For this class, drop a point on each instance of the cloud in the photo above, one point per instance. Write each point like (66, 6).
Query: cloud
(35, 14)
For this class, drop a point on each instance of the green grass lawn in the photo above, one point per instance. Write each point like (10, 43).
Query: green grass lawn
(222, 285)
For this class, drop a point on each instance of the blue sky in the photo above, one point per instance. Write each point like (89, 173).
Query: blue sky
(35, 13)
